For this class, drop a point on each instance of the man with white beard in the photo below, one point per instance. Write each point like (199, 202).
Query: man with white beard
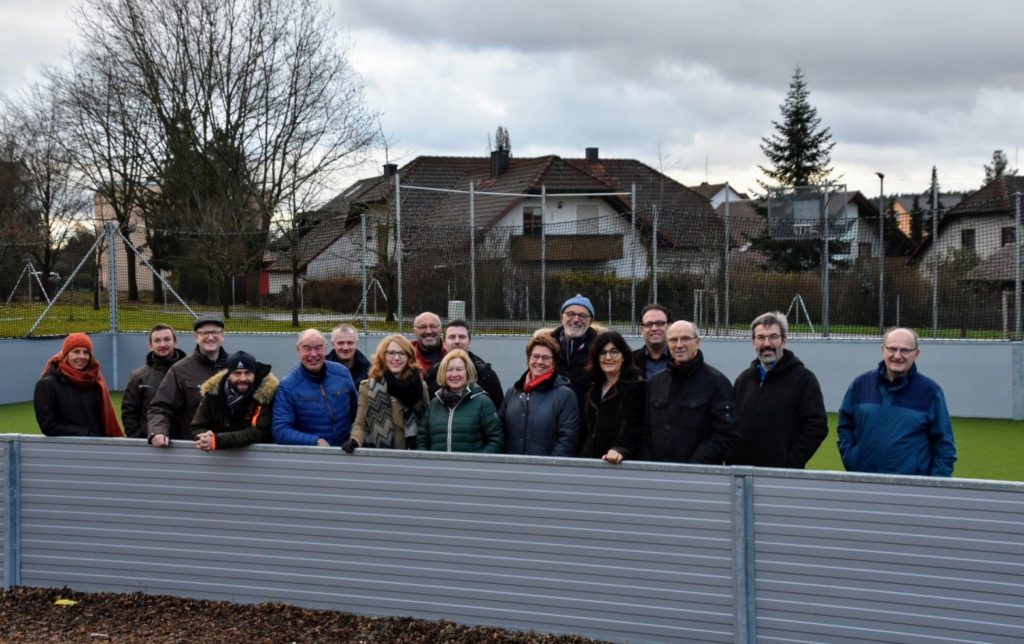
(575, 337)
(779, 408)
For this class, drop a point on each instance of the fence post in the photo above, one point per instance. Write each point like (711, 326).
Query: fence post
(632, 267)
(725, 268)
(743, 559)
(824, 270)
(398, 244)
(1017, 272)
(112, 277)
(10, 465)
(543, 253)
(935, 252)
(366, 268)
(654, 253)
(472, 255)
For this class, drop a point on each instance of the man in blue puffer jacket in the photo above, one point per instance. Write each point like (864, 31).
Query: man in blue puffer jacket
(316, 401)
(894, 419)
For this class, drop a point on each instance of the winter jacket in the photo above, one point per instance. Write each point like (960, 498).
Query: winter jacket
(311, 406)
(424, 362)
(64, 409)
(139, 392)
(614, 421)
(690, 415)
(360, 368)
(375, 392)
(249, 423)
(900, 427)
(472, 425)
(485, 377)
(781, 418)
(177, 398)
(544, 422)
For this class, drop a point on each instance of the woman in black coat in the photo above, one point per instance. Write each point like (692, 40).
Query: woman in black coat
(71, 397)
(613, 413)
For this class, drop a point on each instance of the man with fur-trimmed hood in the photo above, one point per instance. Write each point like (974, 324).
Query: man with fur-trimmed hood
(236, 407)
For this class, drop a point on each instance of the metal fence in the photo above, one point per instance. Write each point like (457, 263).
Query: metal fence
(637, 552)
(717, 269)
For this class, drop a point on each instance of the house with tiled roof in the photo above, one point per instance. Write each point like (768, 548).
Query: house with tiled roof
(719, 193)
(982, 223)
(585, 205)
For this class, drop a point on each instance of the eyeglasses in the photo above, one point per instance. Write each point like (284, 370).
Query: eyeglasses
(654, 323)
(210, 334)
(610, 353)
(396, 354)
(681, 339)
(541, 358)
(775, 337)
(903, 351)
(573, 314)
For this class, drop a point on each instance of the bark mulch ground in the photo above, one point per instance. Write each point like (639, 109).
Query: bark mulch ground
(36, 615)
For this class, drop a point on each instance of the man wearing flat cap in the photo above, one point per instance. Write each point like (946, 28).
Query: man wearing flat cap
(178, 395)
(575, 337)
(237, 405)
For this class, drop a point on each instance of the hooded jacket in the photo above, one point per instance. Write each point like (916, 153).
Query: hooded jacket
(781, 418)
(472, 425)
(896, 427)
(249, 423)
(544, 422)
(691, 415)
(138, 393)
(177, 398)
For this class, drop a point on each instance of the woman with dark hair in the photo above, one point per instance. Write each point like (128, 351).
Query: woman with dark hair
(71, 397)
(540, 412)
(461, 416)
(392, 399)
(613, 412)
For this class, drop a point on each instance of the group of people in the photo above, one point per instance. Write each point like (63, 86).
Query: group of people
(584, 393)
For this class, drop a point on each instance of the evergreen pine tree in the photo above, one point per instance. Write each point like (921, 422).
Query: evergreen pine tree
(800, 149)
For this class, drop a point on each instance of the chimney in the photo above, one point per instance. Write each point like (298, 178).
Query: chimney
(592, 156)
(390, 170)
(499, 162)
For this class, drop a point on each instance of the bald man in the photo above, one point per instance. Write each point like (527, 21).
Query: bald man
(428, 343)
(316, 402)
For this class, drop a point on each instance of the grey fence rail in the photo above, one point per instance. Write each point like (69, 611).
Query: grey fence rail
(639, 552)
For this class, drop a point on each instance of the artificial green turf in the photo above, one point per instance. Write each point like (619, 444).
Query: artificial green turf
(986, 448)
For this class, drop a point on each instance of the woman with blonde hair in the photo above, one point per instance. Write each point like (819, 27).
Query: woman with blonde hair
(392, 399)
(461, 416)
(71, 398)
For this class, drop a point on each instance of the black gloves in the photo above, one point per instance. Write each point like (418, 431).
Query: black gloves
(350, 445)
(410, 442)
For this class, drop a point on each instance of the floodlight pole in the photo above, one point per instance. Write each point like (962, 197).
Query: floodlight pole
(1017, 272)
(881, 251)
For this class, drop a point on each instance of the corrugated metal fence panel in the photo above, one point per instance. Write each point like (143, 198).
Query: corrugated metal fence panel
(906, 560)
(5, 517)
(628, 553)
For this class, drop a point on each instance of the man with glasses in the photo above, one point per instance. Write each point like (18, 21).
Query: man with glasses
(779, 407)
(574, 337)
(653, 357)
(316, 402)
(178, 395)
(429, 348)
(691, 410)
(894, 420)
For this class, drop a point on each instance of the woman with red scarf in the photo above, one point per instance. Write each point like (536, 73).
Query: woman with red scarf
(540, 413)
(71, 397)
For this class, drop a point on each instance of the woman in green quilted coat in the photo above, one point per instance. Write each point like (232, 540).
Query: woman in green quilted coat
(461, 417)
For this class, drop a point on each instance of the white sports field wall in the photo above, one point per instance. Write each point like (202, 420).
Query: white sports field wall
(981, 379)
(636, 552)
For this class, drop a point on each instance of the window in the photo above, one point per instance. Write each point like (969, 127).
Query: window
(587, 222)
(967, 238)
(532, 220)
(1009, 236)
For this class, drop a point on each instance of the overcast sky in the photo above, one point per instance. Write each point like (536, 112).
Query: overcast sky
(690, 87)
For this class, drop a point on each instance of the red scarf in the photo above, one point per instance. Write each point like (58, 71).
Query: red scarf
(530, 385)
(90, 377)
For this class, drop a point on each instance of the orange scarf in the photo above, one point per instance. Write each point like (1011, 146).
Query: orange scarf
(90, 377)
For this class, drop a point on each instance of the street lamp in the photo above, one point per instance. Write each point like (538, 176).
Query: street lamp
(881, 251)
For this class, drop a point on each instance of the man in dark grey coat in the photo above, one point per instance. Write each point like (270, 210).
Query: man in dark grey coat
(457, 336)
(779, 407)
(143, 382)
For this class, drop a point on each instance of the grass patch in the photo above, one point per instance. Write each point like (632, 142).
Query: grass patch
(986, 448)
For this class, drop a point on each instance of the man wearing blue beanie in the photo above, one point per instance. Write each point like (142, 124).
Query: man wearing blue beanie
(575, 337)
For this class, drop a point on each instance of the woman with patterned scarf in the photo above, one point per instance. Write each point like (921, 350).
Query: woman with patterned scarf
(392, 399)
(71, 397)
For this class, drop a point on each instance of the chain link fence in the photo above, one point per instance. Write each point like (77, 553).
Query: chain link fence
(717, 269)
